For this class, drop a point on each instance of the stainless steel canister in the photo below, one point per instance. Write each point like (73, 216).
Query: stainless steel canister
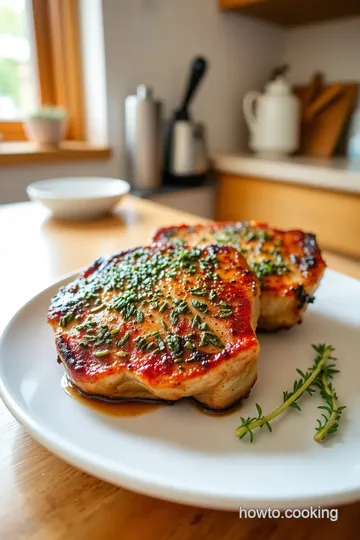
(144, 139)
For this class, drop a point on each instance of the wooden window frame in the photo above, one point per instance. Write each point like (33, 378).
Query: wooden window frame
(57, 40)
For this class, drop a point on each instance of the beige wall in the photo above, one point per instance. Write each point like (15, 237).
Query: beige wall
(333, 47)
(153, 41)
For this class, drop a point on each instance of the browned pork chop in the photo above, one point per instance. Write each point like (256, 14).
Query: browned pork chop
(288, 264)
(161, 322)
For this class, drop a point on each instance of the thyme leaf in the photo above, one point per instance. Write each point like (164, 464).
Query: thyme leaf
(333, 413)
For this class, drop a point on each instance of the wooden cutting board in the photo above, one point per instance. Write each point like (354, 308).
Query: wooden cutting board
(320, 136)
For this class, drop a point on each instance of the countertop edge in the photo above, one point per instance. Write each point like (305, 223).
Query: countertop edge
(317, 176)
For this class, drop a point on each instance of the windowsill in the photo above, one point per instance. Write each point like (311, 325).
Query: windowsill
(23, 153)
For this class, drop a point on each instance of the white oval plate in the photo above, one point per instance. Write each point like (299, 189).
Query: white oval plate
(176, 453)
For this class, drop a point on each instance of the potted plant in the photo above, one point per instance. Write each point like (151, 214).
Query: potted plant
(47, 126)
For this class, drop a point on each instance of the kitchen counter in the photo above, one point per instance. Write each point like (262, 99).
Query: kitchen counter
(336, 174)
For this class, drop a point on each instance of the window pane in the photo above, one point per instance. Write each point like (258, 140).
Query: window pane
(18, 88)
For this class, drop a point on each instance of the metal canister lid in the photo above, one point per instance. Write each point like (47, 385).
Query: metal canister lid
(144, 92)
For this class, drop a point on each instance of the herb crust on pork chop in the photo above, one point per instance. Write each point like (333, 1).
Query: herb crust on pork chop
(288, 264)
(161, 322)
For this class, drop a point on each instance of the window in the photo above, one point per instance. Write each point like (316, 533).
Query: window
(39, 63)
(18, 85)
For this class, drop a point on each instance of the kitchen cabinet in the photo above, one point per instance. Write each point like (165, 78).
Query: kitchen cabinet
(293, 12)
(334, 216)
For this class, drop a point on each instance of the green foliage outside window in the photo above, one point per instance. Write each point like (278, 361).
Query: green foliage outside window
(11, 23)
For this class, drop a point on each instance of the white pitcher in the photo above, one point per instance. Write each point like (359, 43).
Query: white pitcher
(273, 119)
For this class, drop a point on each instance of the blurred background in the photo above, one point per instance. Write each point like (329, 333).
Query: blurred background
(229, 109)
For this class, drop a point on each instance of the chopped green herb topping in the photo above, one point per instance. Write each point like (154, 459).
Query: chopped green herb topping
(268, 267)
(179, 308)
(209, 338)
(97, 309)
(123, 340)
(141, 343)
(133, 279)
(115, 331)
(200, 306)
(64, 321)
(100, 354)
(229, 235)
(122, 354)
(225, 313)
(212, 295)
(161, 344)
(174, 343)
(103, 336)
(198, 291)
(164, 307)
(258, 234)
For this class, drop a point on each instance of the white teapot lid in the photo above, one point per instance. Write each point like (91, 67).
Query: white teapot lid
(279, 86)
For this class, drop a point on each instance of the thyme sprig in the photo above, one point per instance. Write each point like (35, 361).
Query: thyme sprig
(317, 377)
(330, 422)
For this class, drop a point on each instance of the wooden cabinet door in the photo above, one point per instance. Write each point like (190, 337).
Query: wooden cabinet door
(233, 4)
(332, 215)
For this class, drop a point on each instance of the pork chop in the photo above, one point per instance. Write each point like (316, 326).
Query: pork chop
(161, 322)
(288, 264)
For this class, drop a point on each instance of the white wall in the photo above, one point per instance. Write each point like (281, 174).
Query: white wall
(199, 201)
(332, 47)
(153, 41)
(13, 180)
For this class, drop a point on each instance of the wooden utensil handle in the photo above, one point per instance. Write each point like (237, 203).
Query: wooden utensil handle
(311, 92)
(327, 97)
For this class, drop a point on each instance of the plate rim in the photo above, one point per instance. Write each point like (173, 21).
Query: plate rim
(84, 461)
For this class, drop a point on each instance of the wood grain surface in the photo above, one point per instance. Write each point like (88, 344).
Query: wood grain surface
(43, 498)
(293, 12)
(26, 153)
(326, 117)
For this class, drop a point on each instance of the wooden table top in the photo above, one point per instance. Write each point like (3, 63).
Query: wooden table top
(43, 498)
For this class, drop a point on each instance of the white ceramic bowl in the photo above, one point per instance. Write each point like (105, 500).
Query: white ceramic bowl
(78, 198)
